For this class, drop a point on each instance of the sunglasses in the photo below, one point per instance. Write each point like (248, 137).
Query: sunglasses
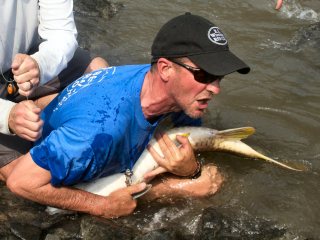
(198, 74)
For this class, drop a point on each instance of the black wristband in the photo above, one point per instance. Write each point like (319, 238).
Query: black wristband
(197, 172)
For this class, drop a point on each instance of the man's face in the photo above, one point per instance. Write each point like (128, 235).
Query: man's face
(191, 95)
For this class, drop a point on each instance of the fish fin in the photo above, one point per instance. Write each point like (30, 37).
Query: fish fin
(236, 133)
(187, 134)
(232, 137)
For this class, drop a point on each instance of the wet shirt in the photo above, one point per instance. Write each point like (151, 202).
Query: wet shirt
(95, 127)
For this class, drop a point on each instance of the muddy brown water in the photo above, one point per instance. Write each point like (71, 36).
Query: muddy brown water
(280, 98)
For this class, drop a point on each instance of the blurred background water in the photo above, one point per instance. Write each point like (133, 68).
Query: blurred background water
(280, 98)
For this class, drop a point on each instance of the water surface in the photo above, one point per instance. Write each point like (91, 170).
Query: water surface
(280, 98)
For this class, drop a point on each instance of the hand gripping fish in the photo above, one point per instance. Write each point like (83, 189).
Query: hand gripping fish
(201, 139)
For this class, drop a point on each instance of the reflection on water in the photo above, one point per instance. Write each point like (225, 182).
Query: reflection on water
(280, 98)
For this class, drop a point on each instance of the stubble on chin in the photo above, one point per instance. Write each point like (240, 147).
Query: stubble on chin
(196, 113)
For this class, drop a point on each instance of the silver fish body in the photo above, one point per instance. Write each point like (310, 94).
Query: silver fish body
(201, 139)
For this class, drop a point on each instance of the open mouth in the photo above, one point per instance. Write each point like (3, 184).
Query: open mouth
(203, 103)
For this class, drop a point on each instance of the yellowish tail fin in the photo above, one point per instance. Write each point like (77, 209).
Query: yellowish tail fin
(230, 141)
(236, 133)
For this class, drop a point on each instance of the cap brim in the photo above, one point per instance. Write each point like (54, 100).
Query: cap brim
(220, 63)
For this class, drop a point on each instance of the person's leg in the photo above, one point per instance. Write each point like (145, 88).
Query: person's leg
(168, 186)
(6, 170)
(96, 64)
(11, 147)
(44, 101)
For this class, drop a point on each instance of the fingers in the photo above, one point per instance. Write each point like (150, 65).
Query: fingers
(167, 146)
(23, 63)
(31, 131)
(183, 140)
(32, 106)
(34, 113)
(121, 202)
(150, 175)
(26, 73)
(177, 160)
(26, 88)
(156, 156)
(136, 188)
(25, 121)
(17, 61)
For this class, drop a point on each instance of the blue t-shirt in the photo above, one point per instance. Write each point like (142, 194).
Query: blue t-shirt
(95, 127)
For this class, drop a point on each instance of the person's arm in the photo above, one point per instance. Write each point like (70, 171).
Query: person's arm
(22, 119)
(58, 31)
(57, 28)
(30, 181)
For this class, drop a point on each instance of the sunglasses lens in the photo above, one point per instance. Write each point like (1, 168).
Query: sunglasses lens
(199, 74)
(204, 77)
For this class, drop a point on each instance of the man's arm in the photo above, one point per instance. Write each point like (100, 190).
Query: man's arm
(30, 181)
(58, 31)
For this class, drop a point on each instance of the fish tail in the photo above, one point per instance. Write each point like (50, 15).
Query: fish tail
(230, 141)
(261, 156)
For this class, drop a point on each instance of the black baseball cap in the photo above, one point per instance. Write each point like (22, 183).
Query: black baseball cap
(201, 41)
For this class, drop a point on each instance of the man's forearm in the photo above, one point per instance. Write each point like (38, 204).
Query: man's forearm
(28, 180)
(67, 198)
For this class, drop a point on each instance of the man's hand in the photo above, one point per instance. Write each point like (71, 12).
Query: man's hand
(25, 121)
(121, 202)
(26, 73)
(179, 160)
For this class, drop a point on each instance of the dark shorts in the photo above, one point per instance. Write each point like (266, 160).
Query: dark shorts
(12, 147)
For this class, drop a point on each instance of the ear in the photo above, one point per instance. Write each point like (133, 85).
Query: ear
(165, 69)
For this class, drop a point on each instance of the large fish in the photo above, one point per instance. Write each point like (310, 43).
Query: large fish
(201, 139)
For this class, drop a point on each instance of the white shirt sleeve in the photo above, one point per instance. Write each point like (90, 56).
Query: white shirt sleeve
(5, 107)
(57, 29)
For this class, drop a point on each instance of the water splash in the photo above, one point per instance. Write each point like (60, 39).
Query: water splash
(305, 37)
(293, 9)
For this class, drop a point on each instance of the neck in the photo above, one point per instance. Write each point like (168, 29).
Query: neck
(155, 100)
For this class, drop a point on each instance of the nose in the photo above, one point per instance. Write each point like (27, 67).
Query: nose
(214, 87)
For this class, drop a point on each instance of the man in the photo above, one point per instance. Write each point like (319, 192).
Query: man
(100, 124)
(38, 47)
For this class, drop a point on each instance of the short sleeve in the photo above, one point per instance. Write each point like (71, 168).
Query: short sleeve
(70, 158)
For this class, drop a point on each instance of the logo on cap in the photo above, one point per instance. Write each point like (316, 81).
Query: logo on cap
(216, 36)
